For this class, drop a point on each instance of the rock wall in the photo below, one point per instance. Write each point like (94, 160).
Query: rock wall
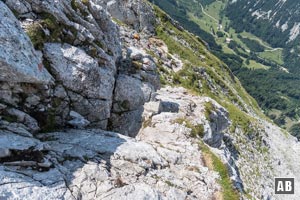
(92, 66)
(78, 61)
(68, 64)
(19, 62)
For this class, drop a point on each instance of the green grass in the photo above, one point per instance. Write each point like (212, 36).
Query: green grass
(219, 73)
(85, 2)
(262, 60)
(253, 37)
(239, 118)
(275, 56)
(229, 193)
(39, 38)
(209, 108)
(228, 92)
(196, 130)
(214, 9)
(36, 35)
(207, 24)
(255, 65)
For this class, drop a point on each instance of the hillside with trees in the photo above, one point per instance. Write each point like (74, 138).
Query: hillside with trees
(258, 51)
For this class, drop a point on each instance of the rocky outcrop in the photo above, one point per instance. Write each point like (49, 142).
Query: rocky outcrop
(19, 62)
(94, 164)
(81, 48)
(218, 122)
(79, 72)
(91, 83)
(104, 60)
(135, 85)
(133, 13)
(87, 85)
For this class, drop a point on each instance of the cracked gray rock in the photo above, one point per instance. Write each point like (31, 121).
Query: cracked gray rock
(95, 164)
(79, 72)
(19, 62)
(134, 13)
(78, 121)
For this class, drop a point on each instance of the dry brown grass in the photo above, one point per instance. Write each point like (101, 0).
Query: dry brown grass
(218, 196)
(207, 161)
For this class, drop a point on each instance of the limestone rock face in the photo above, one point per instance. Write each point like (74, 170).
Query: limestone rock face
(102, 77)
(186, 107)
(135, 13)
(104, 59)
(10, 141)
(135, 85)
(79, 52)
(79, 72)
(89, 59)
(19, 6)
(218, 122)
(95, 164)
(25, 119)
(19, 62)
(78, 121)
(129, 123)
(128, 94)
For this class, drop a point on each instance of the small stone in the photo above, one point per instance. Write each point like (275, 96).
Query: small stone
(60, 92)
(24, 118)
(4, 153)
(33, 100)
(2, 106)
(19, 129)
(78, 120)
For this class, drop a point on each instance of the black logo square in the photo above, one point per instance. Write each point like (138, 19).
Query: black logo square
(284, 186)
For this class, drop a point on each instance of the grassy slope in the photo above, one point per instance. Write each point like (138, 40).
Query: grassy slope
(210, 24)
(266, 58)
(242, 108)
(215, 10)
(216, 69)
(214, 163)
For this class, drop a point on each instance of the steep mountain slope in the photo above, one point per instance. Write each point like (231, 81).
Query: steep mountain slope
(267, 70)
(277, 22)
(249, 131)
(184, 127)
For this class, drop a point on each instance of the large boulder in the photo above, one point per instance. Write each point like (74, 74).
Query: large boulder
(19, 6)
(218, 123)
(19, 62)
(128, 123)
(79, 72)
(135, 13)
(89, 86)
(128, 94)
